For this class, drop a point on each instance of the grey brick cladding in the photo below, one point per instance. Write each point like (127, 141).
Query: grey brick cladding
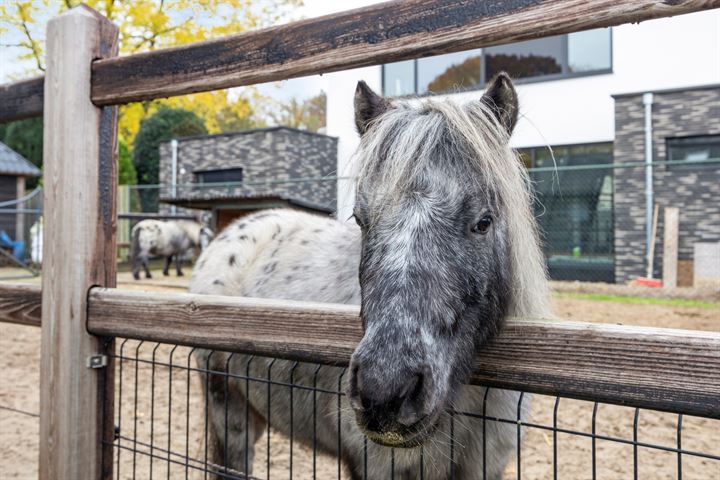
(269, 154)
(694, 190)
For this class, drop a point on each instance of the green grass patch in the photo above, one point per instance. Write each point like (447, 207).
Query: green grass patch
(675, 302)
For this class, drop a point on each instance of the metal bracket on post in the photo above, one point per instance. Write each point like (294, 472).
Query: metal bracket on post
(97, 361)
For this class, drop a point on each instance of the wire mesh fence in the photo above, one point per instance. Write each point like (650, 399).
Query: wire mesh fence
(171, 399)
(591, 212)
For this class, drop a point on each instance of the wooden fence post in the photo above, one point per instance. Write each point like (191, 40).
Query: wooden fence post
(80, 177)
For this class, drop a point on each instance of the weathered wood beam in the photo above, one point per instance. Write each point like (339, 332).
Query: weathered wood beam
(20, 304)
(21, 100)
(373, 35)
(663, 369)
(386, 32)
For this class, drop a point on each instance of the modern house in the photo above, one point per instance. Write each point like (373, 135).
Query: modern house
(232, 174)
(582, 133)
(14, 169)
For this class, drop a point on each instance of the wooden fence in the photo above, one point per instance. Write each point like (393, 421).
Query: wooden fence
(80, 311)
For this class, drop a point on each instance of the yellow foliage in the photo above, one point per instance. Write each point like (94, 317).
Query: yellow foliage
(148, 25)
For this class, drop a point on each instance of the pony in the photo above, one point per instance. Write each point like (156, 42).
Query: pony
(169, 239)
(444, 248)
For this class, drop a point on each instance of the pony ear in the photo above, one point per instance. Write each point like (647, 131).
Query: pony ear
(501, 97)
(368, 105)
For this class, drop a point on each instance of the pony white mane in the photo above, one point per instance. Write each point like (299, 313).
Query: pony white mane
(417, 129)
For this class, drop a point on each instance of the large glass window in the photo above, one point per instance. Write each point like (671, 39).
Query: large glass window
(693, 150)
(589, 51)
(454, 71)
(574, 209)
(561, 56)
(399, 78)
(534, 58)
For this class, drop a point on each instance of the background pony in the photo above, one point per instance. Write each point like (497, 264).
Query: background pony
(169, 239)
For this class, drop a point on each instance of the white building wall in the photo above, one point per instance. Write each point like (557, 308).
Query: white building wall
(676, 52)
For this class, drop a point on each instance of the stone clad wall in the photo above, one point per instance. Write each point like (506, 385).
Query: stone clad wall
(277, 153)
(694, 190)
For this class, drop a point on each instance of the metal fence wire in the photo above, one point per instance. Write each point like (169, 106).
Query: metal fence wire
(164, 422)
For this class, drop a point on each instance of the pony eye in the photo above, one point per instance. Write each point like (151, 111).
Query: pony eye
(359, 222)
(483, 225)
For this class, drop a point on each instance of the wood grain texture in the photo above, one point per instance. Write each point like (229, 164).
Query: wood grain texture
(664, 369)
(21, 100)
(20, 304)
(80, 179)
(387, 32)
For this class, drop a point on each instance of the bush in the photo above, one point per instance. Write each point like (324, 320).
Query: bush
(165, 124)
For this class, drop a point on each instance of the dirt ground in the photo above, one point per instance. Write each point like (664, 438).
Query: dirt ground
(19, 377)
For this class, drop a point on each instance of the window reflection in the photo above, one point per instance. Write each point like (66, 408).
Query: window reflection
(533, 58)
(453, 71)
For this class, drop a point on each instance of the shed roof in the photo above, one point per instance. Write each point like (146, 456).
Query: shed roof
(12, 163)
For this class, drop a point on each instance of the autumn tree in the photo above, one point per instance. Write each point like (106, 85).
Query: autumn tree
(147, 25)
(308, 114)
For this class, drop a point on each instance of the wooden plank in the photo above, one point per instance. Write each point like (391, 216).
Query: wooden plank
(671, 370)
(373, 35)
(20, 304)
(21, 100)
(381, 33)
(80, 180)
(670, 247)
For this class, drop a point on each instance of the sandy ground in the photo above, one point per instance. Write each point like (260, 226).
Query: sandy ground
(19, 374)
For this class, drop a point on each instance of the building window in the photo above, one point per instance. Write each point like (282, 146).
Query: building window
(399, 78)
(694, 152)
(574, 209)
(580, 53)
(226, 175)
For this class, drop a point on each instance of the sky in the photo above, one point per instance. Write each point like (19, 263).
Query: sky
(301, 88)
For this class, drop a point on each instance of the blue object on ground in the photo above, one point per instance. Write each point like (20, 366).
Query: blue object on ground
(17, 246)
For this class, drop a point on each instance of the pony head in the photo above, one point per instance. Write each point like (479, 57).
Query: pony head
(444, 208)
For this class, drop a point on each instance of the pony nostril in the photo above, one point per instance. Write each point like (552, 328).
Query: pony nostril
(412, 400)
(354, 388)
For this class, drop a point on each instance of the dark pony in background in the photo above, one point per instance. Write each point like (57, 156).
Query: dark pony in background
(444, 250)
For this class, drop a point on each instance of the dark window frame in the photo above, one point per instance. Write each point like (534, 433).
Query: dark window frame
(517, 81)
(199, 175)
(690, 140)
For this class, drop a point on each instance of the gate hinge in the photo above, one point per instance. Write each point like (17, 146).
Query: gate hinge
(97, 361)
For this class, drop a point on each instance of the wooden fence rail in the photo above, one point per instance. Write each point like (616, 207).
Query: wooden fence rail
(662, 369)
(382, 33)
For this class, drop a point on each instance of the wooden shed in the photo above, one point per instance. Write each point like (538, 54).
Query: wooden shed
(14, 169)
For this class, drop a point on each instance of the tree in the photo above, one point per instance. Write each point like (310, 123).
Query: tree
(148, 25)
(165, 124)
(126, 169)
(308, 114)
